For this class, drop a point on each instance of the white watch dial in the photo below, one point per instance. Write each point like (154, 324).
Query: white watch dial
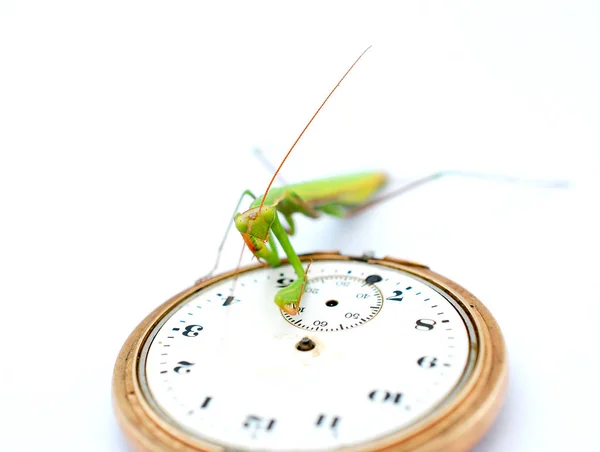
(373, 351)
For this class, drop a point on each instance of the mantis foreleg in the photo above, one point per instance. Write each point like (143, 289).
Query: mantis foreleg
(258, 226)
(288, 298)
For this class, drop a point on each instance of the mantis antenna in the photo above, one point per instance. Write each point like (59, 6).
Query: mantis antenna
(267, 164)
(306, 127)
(276, 173)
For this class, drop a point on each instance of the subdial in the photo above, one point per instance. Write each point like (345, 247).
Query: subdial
(335, 303)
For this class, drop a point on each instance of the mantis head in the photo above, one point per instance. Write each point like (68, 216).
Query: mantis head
(255, 226)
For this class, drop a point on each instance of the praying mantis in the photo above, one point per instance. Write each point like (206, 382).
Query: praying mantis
(333, 196)
(340, 196)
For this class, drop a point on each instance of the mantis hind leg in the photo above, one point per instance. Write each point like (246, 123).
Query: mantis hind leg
(434, 176)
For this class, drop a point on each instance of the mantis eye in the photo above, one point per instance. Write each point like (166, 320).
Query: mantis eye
(241, 223)
(268, 214)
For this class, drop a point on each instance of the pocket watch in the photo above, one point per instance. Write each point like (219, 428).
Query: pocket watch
(384, 355)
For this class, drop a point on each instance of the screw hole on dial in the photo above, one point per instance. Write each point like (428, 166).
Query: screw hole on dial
(305, 344)
(331, 303)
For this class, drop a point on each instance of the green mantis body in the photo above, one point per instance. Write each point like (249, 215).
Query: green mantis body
(333, 196)
(339, 196)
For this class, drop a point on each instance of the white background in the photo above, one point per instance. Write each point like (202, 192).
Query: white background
(126, 131)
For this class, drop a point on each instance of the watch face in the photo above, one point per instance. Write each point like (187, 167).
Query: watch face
(372, 351)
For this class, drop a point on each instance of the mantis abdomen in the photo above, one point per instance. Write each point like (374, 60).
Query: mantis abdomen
(347, 190)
